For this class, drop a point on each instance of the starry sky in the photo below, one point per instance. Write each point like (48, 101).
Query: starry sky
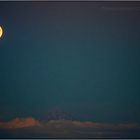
(81, 57)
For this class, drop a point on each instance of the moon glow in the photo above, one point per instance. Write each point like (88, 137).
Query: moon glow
(1, 31)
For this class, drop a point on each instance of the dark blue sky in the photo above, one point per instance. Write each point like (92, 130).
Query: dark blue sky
(81, 57)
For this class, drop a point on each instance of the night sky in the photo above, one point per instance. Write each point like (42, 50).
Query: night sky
(80, 57)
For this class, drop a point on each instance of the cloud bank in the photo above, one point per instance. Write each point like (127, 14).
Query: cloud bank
(32, 128)
(20, 123)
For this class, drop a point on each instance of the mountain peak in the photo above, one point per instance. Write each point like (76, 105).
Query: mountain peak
(58, 114)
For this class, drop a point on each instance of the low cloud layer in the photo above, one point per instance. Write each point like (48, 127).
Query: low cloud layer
(32, 128)
(20, 123)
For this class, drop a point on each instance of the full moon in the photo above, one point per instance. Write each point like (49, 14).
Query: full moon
(1, 31)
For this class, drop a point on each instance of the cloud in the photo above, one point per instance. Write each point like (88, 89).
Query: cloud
(32, 128)
(78, 129)
(20, 123)
(30, 122)
(89, 124)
